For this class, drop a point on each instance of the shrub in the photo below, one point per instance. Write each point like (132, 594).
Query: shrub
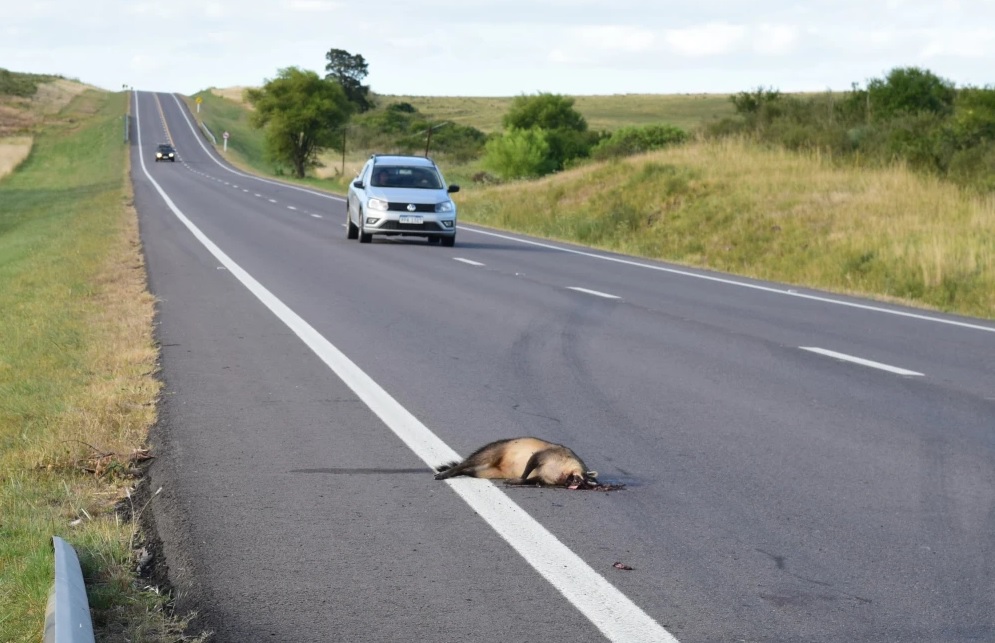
(518, 154)
(627, 141)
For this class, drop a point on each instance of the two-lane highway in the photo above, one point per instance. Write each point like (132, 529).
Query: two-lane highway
(800, 466)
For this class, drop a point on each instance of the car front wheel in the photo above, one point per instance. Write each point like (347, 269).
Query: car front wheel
(448, 242)
(364, 236)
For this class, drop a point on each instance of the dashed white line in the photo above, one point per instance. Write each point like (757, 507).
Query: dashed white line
(290, 207)
(859, 360)
(593, 292)
(469, 261)
(272, 200)
(316, 216)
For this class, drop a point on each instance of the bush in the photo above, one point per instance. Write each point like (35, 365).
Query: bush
(518, 154)
(14, 84)
(627, 141)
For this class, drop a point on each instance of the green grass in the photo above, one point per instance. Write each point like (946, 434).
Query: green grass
(77, 360)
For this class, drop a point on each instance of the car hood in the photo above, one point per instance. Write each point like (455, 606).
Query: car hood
(408, 195)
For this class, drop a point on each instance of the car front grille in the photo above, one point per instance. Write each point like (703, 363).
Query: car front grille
(403, 207)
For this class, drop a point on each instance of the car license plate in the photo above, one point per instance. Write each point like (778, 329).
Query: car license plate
(411, 218)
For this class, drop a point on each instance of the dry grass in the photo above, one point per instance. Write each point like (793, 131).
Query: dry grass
(13, 150)
(52, 97)
(20, 115)
(236, 94)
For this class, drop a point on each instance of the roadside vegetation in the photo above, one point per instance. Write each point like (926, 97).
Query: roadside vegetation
(77, 372)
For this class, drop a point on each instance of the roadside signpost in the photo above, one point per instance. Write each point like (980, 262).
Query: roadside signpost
(225, 136)
(199, 100)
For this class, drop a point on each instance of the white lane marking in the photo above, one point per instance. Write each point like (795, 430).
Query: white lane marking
(611, 611)
(469, 261)
(183, 113)
(741, 284)
(272, 200)
(290, 207)
(257, 195)
(859, 360)
(316, 216)
(592, 292)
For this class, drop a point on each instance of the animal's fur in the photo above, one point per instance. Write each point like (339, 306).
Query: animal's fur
(523, 461)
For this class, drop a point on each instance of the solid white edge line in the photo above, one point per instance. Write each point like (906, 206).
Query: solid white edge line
(859, 360)
(608, 609)
(733, 282)
(592, 292)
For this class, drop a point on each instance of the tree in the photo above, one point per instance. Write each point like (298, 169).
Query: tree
(349, 70)
(302, 114)
(564, 129)
(910, 90)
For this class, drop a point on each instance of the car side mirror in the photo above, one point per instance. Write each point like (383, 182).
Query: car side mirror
(358, 183)
(453, 188)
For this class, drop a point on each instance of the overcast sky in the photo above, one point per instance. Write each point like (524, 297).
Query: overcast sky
(503, 48)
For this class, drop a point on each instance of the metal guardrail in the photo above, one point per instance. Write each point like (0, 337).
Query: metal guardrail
(67, 615)
(208, 132)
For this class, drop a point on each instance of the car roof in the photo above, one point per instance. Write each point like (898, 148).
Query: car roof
(399, 159)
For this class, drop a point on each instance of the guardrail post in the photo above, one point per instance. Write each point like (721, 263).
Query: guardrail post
(67, 616)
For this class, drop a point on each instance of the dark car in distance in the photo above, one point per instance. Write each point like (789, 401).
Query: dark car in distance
(165, 152)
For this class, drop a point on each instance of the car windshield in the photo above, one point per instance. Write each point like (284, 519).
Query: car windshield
(406, 177)
(165, 148)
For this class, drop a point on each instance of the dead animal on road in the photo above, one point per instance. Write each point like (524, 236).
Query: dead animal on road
(524, 461)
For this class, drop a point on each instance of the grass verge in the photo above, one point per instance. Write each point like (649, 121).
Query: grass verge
(77, 376)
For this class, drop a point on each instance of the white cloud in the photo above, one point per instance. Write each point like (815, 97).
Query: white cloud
(623, 38)
(711, 39)
(775, 39)
(315, 6)
(972, 43)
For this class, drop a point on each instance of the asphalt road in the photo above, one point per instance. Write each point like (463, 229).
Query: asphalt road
(799, 466)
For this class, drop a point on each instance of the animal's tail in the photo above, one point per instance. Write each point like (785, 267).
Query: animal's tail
(443, 468)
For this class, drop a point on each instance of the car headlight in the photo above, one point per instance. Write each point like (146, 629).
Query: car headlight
(171, 155)
(445, 206)
(377, 204)
(158, 155)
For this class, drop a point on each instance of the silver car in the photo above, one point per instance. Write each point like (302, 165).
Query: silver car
(401, 195)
